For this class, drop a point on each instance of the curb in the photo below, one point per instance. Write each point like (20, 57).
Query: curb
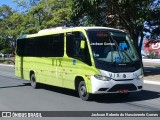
(151, 60)
(151, 82)
(6, 65)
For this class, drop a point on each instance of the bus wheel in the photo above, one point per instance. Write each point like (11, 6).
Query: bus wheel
(82, 90)
(33, 81)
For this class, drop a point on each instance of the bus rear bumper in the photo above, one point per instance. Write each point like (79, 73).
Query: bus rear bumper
(112, 86)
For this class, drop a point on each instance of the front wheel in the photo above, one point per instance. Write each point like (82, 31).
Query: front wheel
(34, 84)
(82, 90)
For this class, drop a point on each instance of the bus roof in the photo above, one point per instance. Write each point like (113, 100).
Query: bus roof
(64, 29)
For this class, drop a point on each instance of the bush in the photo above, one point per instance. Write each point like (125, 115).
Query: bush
(152, 55)
(6, 50)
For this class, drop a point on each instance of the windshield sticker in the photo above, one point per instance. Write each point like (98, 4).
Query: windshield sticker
(74, 62)
(102, 43)
(117, 59)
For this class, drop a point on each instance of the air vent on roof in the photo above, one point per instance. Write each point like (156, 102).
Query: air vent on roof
(51, 29)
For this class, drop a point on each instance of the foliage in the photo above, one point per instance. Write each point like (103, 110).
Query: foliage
(131, 15)
(26, 4)
(47, 14)
(5, 24)
(134, 16)
(152, 55)
(39, 14)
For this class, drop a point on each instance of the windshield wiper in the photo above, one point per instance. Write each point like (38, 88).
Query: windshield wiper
(127, 56)
(121, 51)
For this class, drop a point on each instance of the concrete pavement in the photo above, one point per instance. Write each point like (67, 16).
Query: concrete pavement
(6, 65)
(151, 71)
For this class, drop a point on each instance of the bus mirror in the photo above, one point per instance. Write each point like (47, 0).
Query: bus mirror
(82, 44)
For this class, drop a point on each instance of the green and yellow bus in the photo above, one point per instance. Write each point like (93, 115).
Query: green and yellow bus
(91, 60)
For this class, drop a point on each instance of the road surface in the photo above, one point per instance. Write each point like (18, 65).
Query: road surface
(17, 95)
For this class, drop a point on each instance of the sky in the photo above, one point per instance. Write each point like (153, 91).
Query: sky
(10, 3)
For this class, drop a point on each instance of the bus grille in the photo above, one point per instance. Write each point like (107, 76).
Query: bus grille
(129, 87)
(123, 79)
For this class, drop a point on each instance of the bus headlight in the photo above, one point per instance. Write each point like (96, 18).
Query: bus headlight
(140, 77)
(100, 77)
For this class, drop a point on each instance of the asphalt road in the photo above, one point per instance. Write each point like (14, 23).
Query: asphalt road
(17, 95)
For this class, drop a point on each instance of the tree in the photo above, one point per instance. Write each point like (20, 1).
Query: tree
(130, 15)
(26, 4)
(11, 24)
(40, 14)
(5, 12)
(48, 14)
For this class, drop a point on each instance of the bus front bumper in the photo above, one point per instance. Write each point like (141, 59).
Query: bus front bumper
(118, 86)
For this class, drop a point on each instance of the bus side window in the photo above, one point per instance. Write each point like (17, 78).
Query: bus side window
(73, 49)
(44, 46)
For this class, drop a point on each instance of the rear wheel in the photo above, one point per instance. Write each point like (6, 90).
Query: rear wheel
(82, 90)
(34, 84)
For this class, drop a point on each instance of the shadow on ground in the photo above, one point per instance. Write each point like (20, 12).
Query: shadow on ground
(102, 98)
(24, 84)
(107, 98)
(133, 97)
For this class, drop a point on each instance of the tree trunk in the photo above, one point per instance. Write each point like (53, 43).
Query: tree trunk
(135, 41)
(138, 47)
(141, 42)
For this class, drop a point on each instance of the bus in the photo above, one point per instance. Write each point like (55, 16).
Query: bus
(90, 60)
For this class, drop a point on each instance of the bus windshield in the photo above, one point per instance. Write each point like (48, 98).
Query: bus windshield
(112, 46)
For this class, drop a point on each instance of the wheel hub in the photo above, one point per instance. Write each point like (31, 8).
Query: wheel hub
(83, 90)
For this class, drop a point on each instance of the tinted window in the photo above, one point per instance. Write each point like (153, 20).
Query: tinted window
(73, 47)
(44, 46)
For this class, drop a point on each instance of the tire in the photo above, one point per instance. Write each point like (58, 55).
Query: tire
(34, 84)
(82, 91)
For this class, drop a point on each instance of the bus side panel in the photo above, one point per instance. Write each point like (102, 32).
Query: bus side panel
(51, 72)
(21, 70)
(46, 69)
(38, 65)
(18, 66)
(73, 68)
(69, 73)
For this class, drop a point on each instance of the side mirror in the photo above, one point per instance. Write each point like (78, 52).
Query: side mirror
(83, 44)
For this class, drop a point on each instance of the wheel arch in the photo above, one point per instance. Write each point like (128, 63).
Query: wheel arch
(78, 79)
(30, 73)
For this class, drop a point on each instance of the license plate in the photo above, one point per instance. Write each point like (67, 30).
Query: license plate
(123, 91)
